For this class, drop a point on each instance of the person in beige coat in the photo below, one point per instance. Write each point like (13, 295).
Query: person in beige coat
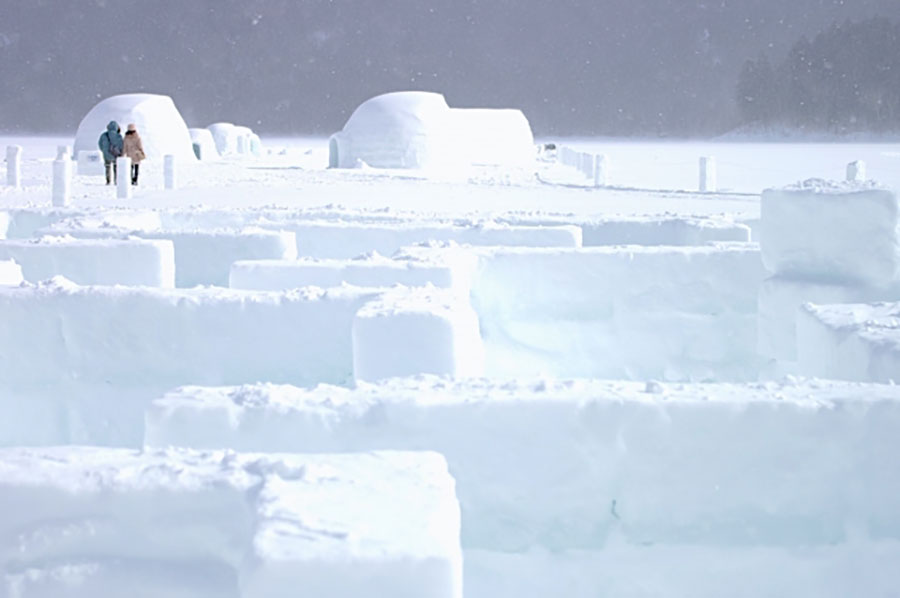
(134, 149)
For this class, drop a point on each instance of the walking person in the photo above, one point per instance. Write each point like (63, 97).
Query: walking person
(134, 149)
(111, 144)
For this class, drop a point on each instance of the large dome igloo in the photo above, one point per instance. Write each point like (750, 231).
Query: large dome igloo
(417, 129)
(162, 129)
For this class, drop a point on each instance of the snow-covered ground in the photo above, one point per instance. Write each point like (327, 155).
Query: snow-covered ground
(292, 173)
(600, 369)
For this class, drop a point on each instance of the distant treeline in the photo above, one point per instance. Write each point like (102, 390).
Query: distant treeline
(847, 79)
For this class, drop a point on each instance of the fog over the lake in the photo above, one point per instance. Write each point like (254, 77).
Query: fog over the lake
(591, 67)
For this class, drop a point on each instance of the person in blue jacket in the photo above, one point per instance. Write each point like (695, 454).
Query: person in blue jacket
(111, 144)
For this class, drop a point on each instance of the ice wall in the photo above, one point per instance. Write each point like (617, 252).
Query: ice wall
(80, 521)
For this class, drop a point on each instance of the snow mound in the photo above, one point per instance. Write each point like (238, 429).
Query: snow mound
(162, 129)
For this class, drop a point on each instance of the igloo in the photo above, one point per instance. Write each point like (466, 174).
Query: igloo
(204, 144)
(244, 134)
(235, 139)
(415, 129)
(162, 129)
(491, 136)
(225, 135)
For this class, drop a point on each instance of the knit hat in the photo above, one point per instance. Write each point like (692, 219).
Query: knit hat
(132, 127)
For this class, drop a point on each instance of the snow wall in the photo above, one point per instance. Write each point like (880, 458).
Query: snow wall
(850, 341)
(201, 257)
(612, 488)
(162, 129)
(643, 230)
(676, 313)
(125, 345)
(372, 270)
(83, 521)
(829, 243)
(134, 262)
(349, 240)
(369, 230)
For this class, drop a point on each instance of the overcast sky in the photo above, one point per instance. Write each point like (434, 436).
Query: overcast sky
(643, 67)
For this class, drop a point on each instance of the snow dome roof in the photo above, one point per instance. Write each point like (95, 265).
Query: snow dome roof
(409, 112)
(160, 125)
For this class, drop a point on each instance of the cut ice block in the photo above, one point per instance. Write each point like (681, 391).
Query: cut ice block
(383, 524)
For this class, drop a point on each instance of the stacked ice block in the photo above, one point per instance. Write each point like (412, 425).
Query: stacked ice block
(824, 243)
